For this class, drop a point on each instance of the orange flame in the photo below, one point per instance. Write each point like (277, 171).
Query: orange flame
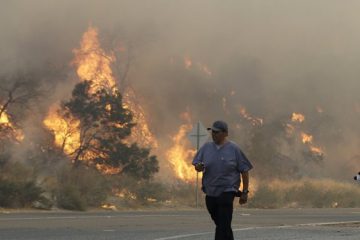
(141, 132)
(306, 138)
(66, 133)
(109, 207)
(124, 193)
(180, 154)
(4, 119)
(255, 121)
(93, 63)
(316, 150)
(14, 132)
(106, 169)
(297, 117)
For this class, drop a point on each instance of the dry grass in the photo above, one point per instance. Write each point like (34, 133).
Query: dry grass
(318, 193)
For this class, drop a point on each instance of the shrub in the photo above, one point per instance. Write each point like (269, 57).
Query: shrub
(265, 197)
(69, 197)
(134, 192)
(184, 194)
(147, 190)
(18, 187)
(79, 188)
(18, 194)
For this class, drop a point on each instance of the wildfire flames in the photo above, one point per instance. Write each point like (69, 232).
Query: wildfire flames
(316, 150)
(255, 121)
(8, 127)
(4, 119)
(66, 133)
(109, 207)
(181, 154)
(297, 117)
(93, 63)
(308, 139)
(188, 63)
(305, 137)
(141, 132)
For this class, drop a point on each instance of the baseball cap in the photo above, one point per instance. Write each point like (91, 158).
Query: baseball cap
(219, 126)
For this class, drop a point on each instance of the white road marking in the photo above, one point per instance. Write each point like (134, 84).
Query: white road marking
(184, 236)
(264, 227)
(245, 214)
(109, 230)
(51, 218)
(85, 217)
(328, 223)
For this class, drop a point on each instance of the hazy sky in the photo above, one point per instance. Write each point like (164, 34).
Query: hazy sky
(305, 43)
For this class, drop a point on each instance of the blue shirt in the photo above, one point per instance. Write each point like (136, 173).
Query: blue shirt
(223, 166)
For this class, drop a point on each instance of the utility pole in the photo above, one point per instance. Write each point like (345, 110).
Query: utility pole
(198, 136)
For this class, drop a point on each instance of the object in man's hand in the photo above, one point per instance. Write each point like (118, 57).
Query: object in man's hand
(199, 166)
(238, 193)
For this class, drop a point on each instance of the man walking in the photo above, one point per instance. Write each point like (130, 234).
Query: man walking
(222, 163)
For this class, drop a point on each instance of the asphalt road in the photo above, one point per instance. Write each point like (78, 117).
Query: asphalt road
(253, 224)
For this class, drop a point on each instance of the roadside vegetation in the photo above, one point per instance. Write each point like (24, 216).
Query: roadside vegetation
(306, 193)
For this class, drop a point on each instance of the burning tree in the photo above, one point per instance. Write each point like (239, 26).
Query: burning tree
(16, 94)
(103, 126)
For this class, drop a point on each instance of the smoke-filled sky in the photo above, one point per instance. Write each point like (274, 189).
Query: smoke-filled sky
(271, 57)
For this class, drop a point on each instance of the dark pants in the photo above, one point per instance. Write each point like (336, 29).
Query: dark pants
(221, 210)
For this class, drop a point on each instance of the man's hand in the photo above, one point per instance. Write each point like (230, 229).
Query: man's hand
(199, 167)
(243, 198)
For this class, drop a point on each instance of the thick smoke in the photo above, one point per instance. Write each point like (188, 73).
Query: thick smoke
(271, 57)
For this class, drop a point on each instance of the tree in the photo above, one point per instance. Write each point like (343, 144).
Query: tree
(17, 93)
(264, 148)
(19, 89)
(104, 127)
